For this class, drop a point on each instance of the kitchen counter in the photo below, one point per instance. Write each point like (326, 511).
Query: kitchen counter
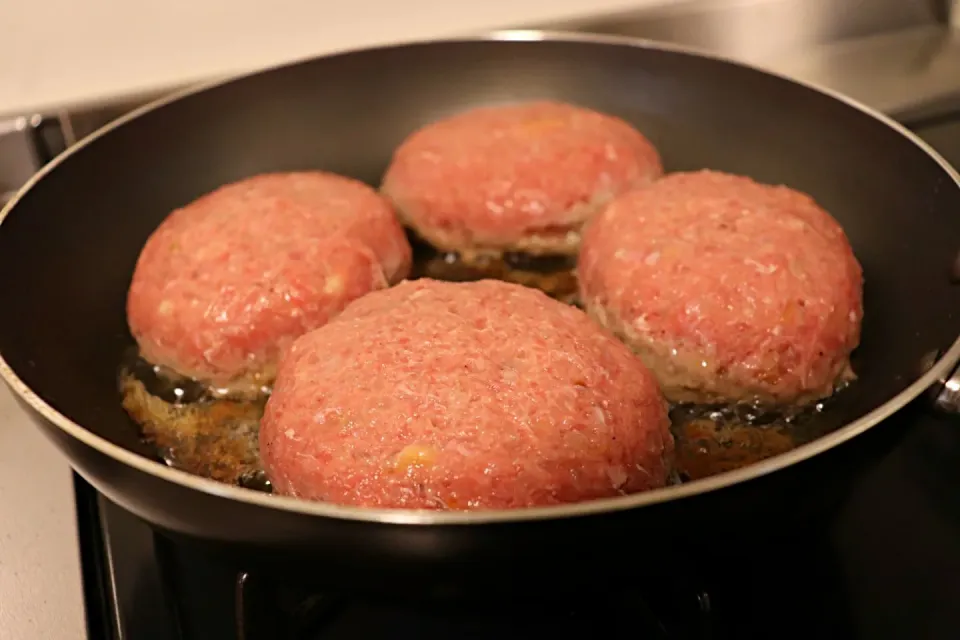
(889, 54)
(40, 587)
(63, 53)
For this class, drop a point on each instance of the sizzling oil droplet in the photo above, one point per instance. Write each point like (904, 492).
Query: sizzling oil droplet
(199, 430)
(716, 439)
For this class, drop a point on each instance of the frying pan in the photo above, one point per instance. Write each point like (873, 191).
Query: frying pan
(70, 239)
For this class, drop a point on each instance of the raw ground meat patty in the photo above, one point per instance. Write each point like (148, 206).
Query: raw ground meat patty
(483, 395)
(522, 177)
(226, 283)
(728, 289)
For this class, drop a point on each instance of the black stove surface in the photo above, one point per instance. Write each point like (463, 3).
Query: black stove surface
(886, 565)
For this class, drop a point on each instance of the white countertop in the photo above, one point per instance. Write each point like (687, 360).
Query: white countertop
(63, 52)
(40, 588)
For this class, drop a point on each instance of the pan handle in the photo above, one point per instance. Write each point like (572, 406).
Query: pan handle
(947, 399)
(945, 394)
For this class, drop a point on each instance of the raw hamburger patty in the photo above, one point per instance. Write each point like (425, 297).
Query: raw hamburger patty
(522, 177)
(728, 289)
(226, 283)
(480, 395)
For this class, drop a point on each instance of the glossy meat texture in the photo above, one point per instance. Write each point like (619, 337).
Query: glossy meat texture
(226, 283)
(521, 177)
(484, 395)
(728, 289)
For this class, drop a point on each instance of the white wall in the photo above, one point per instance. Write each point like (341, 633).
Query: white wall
(64, 52)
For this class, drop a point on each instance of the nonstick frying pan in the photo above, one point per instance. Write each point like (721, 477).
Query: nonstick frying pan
(69, 241)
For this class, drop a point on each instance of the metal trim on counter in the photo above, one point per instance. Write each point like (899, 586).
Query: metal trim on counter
(758, 30)
(912, 75)
(901, 58)
(26, 144)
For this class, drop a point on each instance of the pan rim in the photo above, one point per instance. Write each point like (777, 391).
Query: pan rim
(939, 371)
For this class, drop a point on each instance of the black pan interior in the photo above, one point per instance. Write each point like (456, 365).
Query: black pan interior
(68, 248)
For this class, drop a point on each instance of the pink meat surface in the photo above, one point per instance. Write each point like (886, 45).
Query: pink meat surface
(226, 283)
(727, 288)
(484, 395)
(494, 176)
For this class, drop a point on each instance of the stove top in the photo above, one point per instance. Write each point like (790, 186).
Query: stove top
(886, 565)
